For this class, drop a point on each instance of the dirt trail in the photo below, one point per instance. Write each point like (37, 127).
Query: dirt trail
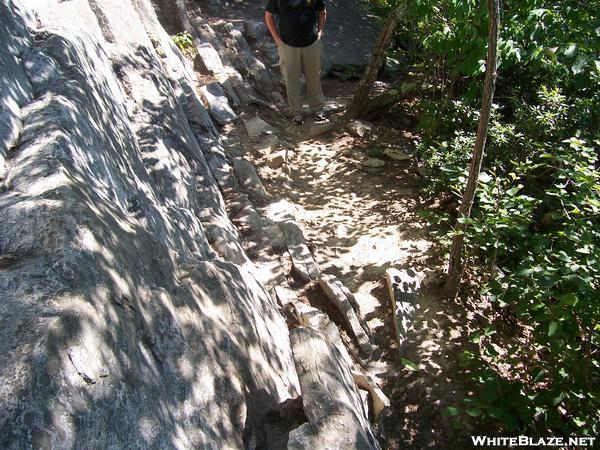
(360, 222)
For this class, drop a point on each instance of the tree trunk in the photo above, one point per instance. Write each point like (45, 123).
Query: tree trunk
(362, 93)
(455, 266)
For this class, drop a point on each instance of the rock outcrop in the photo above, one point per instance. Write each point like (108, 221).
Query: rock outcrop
(130, 315)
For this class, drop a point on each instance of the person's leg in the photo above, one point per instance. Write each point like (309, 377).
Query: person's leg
(311, 67)
(290, 62)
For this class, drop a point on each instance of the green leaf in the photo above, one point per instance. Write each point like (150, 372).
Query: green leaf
(489, 330)
(552, 329)
(485, 177)
(512, 191)
(409, 364)
(496, 412)
(450, 411)
(584, 250)
(570, 51)
(474, 412)
(538, 12)
(579, 65)
(579, 421)
(569, 299)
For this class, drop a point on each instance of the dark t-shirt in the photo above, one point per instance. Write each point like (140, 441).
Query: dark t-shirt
(297, 20)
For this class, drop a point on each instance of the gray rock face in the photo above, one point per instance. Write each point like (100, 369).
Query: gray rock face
(250, 180)
(337, 295)
(130, 316)
(329, 395)
(255, 31)
(218, 105)
(244, 61)
(302, 438)
(349, 37)
(15, 88)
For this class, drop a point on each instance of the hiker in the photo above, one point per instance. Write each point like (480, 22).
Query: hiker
(297, 34)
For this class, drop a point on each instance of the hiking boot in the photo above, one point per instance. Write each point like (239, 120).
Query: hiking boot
(319, 117)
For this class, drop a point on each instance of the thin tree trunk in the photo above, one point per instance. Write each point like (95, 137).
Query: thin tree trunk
(455, 266)
(364, 86)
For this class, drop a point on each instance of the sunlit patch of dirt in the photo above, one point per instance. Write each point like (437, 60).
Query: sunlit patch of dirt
(358, 223)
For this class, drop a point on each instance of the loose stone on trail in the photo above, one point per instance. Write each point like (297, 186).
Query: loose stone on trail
(396, 154)
(218, 105)
(277, 159)
(249, 179)
(267, 144)
(256, 126)
(360, 129)
(373, 163)
(403, 289)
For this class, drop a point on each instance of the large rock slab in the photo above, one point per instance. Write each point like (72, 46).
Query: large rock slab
(255, 31)
(303, 263)
(213, 59)
(329, 395)
(310, 317)
(250, 67)
(337, 295)
(350, 34)
(302, 438)
(15, 88)
(302, 259)
(120, 327)
(209, 62)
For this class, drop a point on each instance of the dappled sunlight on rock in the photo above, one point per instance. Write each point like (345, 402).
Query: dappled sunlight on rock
(121, 326)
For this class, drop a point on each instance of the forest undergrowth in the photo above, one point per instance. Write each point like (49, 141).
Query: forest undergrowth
(533, 239)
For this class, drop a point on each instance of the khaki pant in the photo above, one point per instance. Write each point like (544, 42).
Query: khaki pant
(306, 60)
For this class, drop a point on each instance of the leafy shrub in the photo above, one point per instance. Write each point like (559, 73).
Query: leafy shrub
(183, 41)
(533, 241)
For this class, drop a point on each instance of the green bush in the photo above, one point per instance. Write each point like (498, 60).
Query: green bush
(533, 241)
(183, 40)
